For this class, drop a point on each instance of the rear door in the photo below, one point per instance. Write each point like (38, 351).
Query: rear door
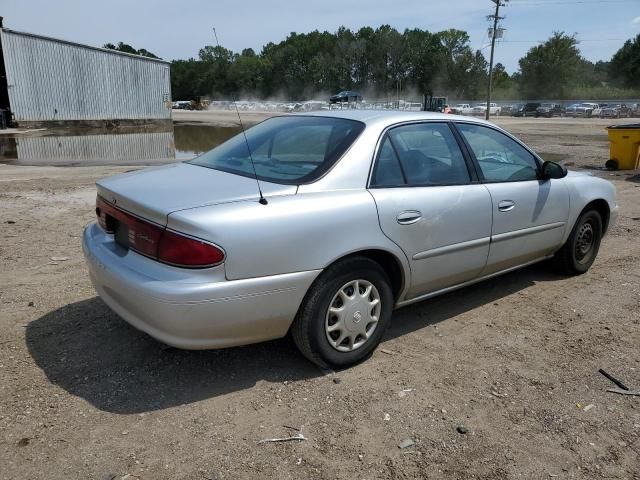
(431, 206)
(529, 215)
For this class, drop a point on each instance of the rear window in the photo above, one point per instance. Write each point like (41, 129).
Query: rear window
(289, 150)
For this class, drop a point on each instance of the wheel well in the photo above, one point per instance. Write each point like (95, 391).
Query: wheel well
(389, 263)
(602, 207)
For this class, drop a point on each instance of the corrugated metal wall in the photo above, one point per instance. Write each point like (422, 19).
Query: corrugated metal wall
(130, 148)
(49, 80)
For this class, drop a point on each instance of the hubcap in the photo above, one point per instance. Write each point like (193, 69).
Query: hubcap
(353, 315)
(584, 241)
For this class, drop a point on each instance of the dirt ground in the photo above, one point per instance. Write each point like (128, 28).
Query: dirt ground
(514, 360)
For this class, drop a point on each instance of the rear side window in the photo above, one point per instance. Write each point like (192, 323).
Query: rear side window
(500, 158)
(387, 172)
(423, 154)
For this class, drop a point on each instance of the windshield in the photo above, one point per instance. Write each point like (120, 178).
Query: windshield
(289, 150)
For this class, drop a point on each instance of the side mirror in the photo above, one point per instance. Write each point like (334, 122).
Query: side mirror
(553, 170)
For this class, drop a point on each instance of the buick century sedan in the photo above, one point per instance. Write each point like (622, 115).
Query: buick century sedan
(320, 225)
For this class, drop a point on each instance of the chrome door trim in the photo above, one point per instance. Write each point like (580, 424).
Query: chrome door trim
(426, 296)
(456, 247)
(526, 231)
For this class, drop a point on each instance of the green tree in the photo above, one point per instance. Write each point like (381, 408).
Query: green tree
(463, 71)
(126, 48)
(189, 79)
(501, 79)
(552, 69)
(380, 62)
(625, 64)
(246, 74)
(423, 53)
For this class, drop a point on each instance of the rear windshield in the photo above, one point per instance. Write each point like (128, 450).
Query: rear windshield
(288, 150)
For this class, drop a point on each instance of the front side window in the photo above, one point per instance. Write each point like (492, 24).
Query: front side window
(289, 150)
(422, 154)
(500, 158)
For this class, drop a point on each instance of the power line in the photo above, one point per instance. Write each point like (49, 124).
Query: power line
(566, 2)
(494, 32)
(578, 39)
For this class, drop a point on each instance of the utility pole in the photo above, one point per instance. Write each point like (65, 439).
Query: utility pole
(494, 34)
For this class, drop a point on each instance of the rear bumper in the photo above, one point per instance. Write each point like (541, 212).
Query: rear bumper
(192, 309)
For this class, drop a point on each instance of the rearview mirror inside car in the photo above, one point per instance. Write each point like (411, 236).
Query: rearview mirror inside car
(553, 170)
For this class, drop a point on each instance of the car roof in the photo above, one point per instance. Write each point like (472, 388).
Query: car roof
(389, 117)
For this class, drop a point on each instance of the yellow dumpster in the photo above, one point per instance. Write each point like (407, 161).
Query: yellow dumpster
(624, 147)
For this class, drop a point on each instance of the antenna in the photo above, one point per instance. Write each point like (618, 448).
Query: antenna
(262, 201)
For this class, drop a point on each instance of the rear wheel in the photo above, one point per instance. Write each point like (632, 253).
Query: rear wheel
(579, 252)
(344, 314)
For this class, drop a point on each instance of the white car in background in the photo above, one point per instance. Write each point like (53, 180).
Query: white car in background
(481, 109)
(583, 110)
(462, 109)
(596, 112)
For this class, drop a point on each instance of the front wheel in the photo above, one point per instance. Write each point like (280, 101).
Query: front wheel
(579, 252)
(344, 314)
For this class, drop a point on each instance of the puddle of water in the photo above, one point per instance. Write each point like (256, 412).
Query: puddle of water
(73, 147)
(192, 140)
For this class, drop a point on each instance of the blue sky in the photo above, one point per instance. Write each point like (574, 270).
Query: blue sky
(178, 29)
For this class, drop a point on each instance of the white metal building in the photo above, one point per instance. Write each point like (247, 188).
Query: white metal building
(51, 80)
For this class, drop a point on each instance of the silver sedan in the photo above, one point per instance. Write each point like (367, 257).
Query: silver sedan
(321, 225)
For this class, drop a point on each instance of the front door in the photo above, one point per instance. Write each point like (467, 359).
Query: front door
(529, 215)
(428, 205)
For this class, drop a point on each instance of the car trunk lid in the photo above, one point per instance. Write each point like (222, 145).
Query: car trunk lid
(156, 192)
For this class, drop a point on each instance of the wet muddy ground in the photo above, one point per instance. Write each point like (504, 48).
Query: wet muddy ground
(513, 360)
(126, 146)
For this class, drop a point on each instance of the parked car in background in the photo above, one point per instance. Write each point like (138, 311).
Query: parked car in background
(634, 110)
(581, 110)
(619, 110)
(181, 105)
(462, 109)
(571, 110)
(322, 224)
(507, 110)
(516, 110)
(598, 110)
(313, 105)
(549, 110)
(346, 96)
(527, 110)
(481, 109)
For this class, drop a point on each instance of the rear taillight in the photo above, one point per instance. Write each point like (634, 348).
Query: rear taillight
(102, 212)
(177, 249)
(143, 237)
(156, 241)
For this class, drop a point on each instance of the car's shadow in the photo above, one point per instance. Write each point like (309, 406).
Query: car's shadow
(90, 352)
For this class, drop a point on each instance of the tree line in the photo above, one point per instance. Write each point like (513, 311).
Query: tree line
(385, 63)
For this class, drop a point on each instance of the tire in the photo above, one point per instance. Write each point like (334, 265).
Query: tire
(310, 329)
(579, 252)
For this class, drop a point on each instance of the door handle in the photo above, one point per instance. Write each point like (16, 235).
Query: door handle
(409, 217)
(506, 205)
